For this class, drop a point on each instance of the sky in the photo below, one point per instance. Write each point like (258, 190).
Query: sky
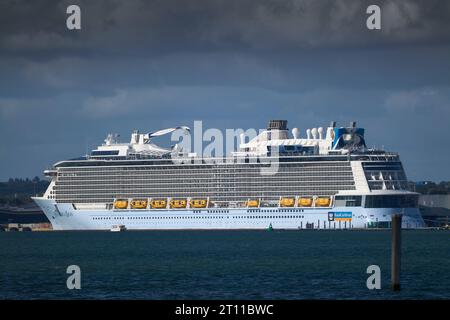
(150, 65)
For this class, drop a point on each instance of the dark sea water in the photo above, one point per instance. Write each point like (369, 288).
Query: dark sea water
(221, 264)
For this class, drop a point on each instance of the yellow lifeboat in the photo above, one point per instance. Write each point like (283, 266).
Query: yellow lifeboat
(138, 203)
(253, 203)
(198, 203)
(287, 202)
(178, 203)
(120, 204)
(305, 202)
(158, 203)
(323, 202)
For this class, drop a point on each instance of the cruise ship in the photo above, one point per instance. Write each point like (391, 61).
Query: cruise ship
(327, 179)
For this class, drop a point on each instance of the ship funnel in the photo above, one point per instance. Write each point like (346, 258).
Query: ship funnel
(295, 133)
(314, 133)
(277, 125)
(320, 131)
(308, 133)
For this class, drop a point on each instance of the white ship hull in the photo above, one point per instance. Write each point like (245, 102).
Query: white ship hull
(65, 216)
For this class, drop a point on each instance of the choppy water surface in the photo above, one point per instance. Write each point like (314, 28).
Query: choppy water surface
(221, 264)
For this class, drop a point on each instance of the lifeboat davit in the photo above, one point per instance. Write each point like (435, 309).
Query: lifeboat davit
(120, 204)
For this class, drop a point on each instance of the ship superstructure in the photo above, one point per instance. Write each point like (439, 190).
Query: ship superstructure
(328, 179)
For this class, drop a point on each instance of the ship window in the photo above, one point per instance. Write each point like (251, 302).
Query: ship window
(348, 201)
(392, 201)
(105, 153)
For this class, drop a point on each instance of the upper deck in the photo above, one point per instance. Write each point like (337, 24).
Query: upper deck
(373, 156)
(271, 144)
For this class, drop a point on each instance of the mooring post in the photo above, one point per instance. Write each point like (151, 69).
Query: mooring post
(396, 250)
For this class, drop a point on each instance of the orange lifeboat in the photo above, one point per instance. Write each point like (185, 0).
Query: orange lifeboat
(120, 204)
(287, 202)
(138, 203)
(198, 203)
(177, 203)
(253, 203)
(158, 203)
(305, 202)
(323, 202)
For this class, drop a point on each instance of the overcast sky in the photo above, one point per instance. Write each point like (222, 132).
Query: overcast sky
(233, 64)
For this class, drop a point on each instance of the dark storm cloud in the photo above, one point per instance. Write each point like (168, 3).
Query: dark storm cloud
(119, 27)
(155, 64)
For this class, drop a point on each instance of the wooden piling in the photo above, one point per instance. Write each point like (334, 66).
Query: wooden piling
(396, 250)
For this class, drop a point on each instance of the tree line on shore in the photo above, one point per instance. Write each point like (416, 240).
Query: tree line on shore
(430, 187)
(17, 191)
